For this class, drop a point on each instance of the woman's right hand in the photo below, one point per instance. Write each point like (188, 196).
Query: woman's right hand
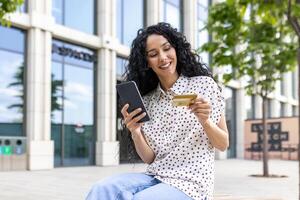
(132, 123)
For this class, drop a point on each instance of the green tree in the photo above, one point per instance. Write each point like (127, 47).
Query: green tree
(6, 7)
(256, 40)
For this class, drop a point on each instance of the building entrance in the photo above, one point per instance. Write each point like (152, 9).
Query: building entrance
(72, 106)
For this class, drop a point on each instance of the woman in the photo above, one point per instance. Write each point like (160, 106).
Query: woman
(178, 142)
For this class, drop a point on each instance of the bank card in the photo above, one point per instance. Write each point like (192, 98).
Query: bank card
(183, 99)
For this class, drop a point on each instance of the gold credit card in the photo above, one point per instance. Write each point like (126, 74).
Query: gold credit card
(183, 100)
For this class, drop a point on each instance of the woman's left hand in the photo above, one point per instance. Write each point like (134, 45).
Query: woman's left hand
(202, 109)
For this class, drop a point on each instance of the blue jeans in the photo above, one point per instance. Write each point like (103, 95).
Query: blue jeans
(134, 186)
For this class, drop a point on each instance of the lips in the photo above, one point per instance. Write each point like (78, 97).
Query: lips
(164, 66)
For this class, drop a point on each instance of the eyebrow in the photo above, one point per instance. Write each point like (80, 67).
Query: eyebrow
(160, 45)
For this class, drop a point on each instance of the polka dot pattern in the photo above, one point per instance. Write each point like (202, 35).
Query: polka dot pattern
(184, 155)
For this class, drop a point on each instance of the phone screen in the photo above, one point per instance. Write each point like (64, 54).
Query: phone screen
(130, 94)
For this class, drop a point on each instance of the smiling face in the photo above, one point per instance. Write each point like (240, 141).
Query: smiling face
(161, 57)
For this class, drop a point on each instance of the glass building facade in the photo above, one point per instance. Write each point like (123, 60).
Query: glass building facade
(129, 22)
(202, 35)
(75, 14)
(12, 83)
(72, 104)
(172, 12)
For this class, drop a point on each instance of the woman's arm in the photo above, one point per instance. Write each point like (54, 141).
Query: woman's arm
(142, 147)
(140, 143)
(217, 134)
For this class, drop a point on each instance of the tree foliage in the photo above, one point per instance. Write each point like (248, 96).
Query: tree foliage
(255, 39)
(6, 7)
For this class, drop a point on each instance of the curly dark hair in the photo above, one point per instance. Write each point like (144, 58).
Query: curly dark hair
(188, 62)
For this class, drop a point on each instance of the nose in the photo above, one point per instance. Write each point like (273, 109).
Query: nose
(163, 57)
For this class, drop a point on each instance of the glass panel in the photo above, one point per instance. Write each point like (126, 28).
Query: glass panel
(120, 22)
(73, 54)
(80, 56)
(203, 3)
(128, 22)
(12, 39)
(172, 16)
(295, 111)
(174, 2)
(11, 93)
(282, 86)
(282, 107)
(269, 111)
(202, 12)
(294, 88)
(66, 12)
(56, 110)
(23, 7)
(230, 110)
(78, 115)
(202, 35)
(248, 107)
(121, 62)
(72, 102)
(57, 11)
(79, 15)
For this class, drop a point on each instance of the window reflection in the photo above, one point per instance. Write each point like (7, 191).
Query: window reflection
(11, 82)
(230, 110)
(12, 39)
(172, 13)
(202, 35)
(129, 22)
(121, 63)
(72, 105)
(75, 14)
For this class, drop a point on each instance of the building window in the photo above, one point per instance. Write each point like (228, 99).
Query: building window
(72, 104)
(202, 35)
(250, 106)
(282, 86)
(121, 63)
(12, 67)
(130, 18)
(172, 12)
(294, 85)
(23, 7)
(269, 108)
(75, 14)
(295, 111)
(282, 109)
(230, 112)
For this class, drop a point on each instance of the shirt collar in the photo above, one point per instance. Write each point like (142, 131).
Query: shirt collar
(177, 88)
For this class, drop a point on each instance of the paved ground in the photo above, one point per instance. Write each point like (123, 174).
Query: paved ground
(232, 181)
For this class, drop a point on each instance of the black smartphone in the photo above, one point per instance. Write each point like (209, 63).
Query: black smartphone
(130, 94)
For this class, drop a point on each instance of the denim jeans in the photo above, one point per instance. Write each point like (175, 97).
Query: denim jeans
(134, 186)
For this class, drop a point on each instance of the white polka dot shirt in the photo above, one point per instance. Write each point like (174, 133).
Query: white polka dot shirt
(184, 155)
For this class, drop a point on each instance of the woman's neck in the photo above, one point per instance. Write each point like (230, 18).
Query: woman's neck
(167, 83)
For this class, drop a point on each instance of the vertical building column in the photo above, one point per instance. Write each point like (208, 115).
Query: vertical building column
(107, 148)
(153, 8)
(38, 87)
(190, 21)
(241, 114)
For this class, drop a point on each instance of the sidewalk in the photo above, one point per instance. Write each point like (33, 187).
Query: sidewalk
(232, 181)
